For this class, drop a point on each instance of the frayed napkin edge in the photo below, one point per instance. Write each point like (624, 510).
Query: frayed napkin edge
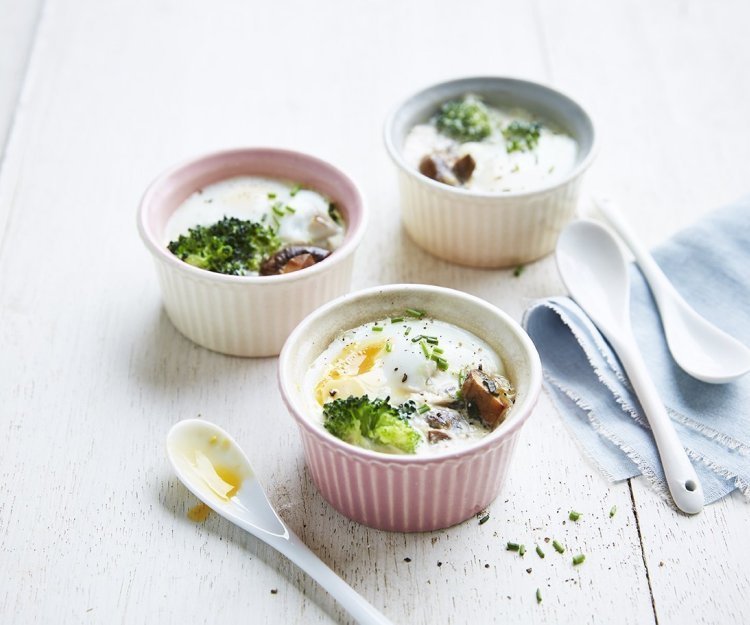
(659, 485)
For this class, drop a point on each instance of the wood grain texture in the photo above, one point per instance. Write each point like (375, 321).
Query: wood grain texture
(93, 525)
(666, 83)
(17, 30)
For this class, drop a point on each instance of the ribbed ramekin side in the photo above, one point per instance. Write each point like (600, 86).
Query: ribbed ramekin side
(407, 497)
(485, 231)
(246, 319)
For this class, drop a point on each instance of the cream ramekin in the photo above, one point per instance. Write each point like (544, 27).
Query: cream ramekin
(247, 315)
(488, 229)
(400, 492)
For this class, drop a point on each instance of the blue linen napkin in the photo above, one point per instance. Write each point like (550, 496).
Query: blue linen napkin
(709, 264)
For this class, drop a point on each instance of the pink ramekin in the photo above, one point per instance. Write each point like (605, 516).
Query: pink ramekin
(247, 315)
(409, 493)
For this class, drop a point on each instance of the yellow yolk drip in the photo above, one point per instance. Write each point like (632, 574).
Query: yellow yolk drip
(354, 360)
(199, 513)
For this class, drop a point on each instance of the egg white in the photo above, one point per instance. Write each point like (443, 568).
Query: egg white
(358, 362)
(247, 198)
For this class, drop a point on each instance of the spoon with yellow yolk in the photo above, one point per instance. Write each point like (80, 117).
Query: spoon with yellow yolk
(214, 468)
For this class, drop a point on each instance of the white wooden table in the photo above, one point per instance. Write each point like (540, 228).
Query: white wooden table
(96, 98)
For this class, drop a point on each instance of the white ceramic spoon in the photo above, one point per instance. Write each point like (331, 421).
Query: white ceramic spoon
(595, 272)
(699, 348)
(216, 470)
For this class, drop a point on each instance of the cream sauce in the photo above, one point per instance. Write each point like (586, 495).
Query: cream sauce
(390, 363)
(497, 170)
(301, 216)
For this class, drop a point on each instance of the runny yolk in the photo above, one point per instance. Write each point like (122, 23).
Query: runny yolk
(354, 360)
(369, 354)
(223, 481)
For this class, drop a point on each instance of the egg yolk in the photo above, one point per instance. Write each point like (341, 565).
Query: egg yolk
(223, 481)
(354, 360)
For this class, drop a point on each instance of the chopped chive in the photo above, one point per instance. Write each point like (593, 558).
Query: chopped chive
(522, 550)
(295, 189)
(539, 551)
(518, 270)
(425, 351)
(271, 196)
(377, 328)
(396, 319)
(413, 312)
(437, 350)
(290, 209)
(484, 519)
(407, 331)
(538, 596)
(423, 408)
(558, 547)
(578, 559)
(389, 347)
(277, 211)
(512, 547)
(461, 378)
(442, 363)
(612, 511)
(419, 337)
(574, 516)
(432, 340)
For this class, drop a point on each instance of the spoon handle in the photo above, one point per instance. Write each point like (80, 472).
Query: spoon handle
(299, 553)
(682, 480)
(658, 282)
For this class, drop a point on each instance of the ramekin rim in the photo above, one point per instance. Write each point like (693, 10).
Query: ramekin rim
(486, 444)
(348, 247)
(574, 173)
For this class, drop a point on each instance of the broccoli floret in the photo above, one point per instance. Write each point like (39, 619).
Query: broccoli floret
(521, 136)
(231, 246)
(370, 423)
(464, 120)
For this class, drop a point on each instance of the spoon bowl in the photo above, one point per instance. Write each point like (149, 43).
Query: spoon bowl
(699, 348)
(594, 270)
(213, 467)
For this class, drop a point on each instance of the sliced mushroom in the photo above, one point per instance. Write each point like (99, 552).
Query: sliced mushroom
(464, 167)
(292, 258)
(298, 262)
(435, 436)
(435, 167)
(487, 396)
(442, 418)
